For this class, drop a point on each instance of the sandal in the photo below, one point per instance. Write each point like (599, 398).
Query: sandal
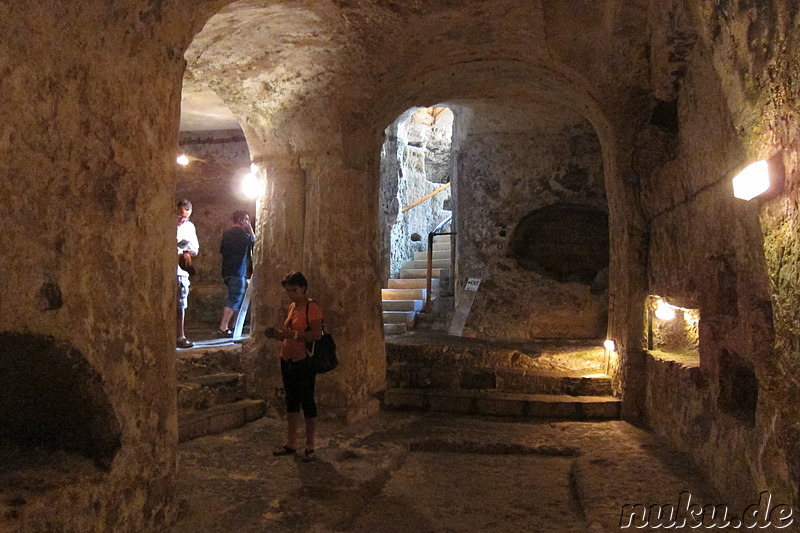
(223, 333)
(283, 450)
(309, 456)
(183, 342)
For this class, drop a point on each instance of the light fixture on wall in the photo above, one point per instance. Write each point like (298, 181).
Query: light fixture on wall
(664, 311)
(752, 181)
(182, 160)
(610, 346)
(252, 187)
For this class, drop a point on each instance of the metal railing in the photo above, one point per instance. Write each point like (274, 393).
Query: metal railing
(429, 275)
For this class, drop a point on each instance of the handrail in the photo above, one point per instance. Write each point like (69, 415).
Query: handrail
(442, 224)
(429, 276)
(431, 194)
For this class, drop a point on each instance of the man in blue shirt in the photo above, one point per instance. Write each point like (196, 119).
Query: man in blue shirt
(236, 249)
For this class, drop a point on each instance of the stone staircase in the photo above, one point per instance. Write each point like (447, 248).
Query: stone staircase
(468, 376)
(212, 390)
(406, 294)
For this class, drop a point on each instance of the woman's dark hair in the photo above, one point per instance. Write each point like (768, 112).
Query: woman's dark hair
(295, 279)
(238, 216)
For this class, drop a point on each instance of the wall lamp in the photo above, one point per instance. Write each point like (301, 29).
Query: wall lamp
(753, 181)
(664, 311)
(611, 353)
(252, 187)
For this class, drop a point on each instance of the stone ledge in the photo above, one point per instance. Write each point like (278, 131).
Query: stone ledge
(207, 391)
(498, 379)
(504, 404)
(219, 418)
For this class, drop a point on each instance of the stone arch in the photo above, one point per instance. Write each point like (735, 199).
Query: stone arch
(557, 82)
(565, 242)
(355, 119)
(56, 400)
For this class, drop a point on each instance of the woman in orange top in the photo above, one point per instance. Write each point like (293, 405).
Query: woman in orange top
(303, 324)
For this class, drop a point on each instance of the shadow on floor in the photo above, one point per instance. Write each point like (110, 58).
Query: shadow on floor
(400, 472)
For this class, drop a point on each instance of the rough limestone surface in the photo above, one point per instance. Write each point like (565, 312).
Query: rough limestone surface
(402, 472)
(680, 95)
(507, 177)
(90, 114)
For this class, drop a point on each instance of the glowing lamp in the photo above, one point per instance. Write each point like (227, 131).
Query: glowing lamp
(254, 168)
(610, 345)
(751, 181)
(182, 160)
(251, 186)
(664, 311)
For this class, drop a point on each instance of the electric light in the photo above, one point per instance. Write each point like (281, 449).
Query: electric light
(751, 181)
(251, 186)
(610, 345)
(254, 168)
(182, 160)
(664, 311)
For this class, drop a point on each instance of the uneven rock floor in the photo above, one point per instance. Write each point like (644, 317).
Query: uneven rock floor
(401, 472)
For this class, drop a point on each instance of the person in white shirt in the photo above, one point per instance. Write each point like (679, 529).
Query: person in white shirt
(188, 246)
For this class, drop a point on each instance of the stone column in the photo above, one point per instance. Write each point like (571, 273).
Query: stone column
(88, 133)
(627, 260)
(321, 218)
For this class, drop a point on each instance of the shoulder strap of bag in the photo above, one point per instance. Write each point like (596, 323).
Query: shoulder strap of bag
(308, 324)
(310, 352)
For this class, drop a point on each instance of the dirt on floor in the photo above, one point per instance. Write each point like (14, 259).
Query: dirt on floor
(401, 472)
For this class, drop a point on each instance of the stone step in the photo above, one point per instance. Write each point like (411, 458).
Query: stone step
(413, 284)
(508, 404)
(217, 419)
(419, 273)
(437, 255)
(444, 357)
(441, 239)
(403, 294)
(203, 360)
(399, 317)
(203, 392)
(402, 305)
(394, 329)
(422, 264)
(496, 379)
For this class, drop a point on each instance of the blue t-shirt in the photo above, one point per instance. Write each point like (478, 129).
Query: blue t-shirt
(235, 250)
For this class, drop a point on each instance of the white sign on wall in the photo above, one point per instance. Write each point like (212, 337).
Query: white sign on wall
(473, 284)
(464, 305)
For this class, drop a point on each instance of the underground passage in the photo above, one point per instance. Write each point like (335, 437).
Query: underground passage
(556, 243)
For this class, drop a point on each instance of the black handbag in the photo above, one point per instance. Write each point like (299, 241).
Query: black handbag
(322, 352)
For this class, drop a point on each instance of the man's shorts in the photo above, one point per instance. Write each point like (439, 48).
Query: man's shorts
(236, 288)
(183, 292)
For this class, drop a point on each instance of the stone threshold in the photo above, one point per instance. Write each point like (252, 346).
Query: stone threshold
(219, 418)
(495, 403)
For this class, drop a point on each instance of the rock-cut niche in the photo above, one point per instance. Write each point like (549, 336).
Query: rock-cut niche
(563, 242)
(53, 399)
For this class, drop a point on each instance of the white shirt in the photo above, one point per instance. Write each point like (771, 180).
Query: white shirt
(187, 232)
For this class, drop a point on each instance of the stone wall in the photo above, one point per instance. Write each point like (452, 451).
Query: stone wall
(501, 180)
(87, 301)
(735, 412)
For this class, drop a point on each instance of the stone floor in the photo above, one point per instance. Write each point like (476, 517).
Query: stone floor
(401, 472)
